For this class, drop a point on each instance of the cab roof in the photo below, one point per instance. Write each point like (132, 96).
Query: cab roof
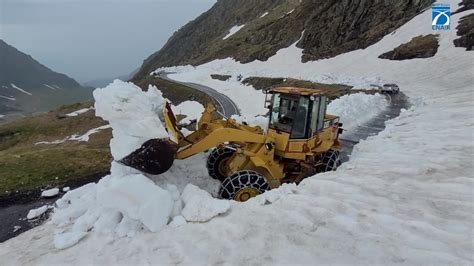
(296, 91)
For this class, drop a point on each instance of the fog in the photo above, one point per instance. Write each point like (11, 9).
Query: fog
(94, 39)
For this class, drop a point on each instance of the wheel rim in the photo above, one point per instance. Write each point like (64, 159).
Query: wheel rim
(222, 168)
(246, 193)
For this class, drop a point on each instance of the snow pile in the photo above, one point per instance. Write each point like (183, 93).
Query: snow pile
(67, 240)
(33, 213)
(233, 31)
(356, 109)
(259, 120)
(50, 192)
(80, 111)
(191, 109)
(200, 206)
(126, 202)
(132, 114)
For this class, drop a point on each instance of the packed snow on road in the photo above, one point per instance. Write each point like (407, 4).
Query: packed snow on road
(405, 196)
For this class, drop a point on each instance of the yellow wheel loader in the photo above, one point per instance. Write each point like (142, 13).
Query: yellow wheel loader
(300, 140)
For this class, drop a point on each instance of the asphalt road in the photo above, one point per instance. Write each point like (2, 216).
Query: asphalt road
(224, 104)
(374, 126)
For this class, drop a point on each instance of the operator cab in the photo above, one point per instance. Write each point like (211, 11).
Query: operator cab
(299, 112)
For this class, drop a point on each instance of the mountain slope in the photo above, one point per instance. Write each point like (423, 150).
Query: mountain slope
(404, 198)
(27, 86)
(323, 28)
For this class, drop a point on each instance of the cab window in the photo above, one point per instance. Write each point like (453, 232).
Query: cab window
(300, 124)
(322, 112)
(283, 112)
(314, 115)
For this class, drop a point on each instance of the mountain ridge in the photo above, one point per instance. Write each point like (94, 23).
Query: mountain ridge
(321, 28)
(27, 86)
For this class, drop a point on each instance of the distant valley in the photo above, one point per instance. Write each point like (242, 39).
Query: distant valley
(28, 87)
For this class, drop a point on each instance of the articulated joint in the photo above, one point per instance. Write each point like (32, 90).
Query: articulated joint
(245, 152)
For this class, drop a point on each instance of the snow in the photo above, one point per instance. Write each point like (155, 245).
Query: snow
(2, 116)
(200, 206)
(405, 197)
(258, 120)
(353, 109)
(33, 213)
(66, 189)
(249, 101)
(356, 109)
(264, 14)
(126, 203)
(59, 141)
(178, 221)
(191, 109)
(80, 111)
(85, 137)
(124, 104)
(233, 31)
(50, 192)
(7, 98)
(138, 198)
(20, 89)
(49, 86)
(67, 240)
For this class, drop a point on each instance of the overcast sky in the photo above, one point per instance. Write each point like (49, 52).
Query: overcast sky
(94, 39)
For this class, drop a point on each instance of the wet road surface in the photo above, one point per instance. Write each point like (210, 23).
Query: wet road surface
(224, 104)
(374, 126)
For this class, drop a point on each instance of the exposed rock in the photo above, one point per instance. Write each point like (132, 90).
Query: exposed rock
(330, 28)
(221, 77)
(464, 5)
(418, 47)
(465, 30)
(331, 90)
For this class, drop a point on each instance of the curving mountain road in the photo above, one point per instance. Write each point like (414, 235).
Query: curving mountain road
(349, 138)
(224, 104)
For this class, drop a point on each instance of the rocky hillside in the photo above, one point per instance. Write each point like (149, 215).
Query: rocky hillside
(26, 86)
(249, 30)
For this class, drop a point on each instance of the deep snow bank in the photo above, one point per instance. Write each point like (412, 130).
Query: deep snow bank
(126, 202)
(353, 109)
(356, 109)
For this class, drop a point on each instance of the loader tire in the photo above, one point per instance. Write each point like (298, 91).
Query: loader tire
(243, 185)
(217, 161)
(331, 161)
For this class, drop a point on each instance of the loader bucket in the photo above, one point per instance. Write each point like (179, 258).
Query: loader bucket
(154, 157)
